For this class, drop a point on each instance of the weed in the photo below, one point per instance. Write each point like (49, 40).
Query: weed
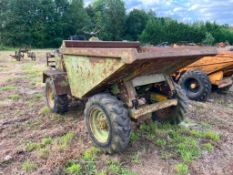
(161, 142)
(33, 124)
(90, 154)
(166, 155)
(44, 110)
(188, 149)
(208, 147)
(144, 128)
(89, 168)
(66, 140)
(181, 169)
(73, 168)
(212, 136)
(43, 153)
(7, 88)
(14, 97)
(135, 158)
(102, 173)
(29, 166)
(32, 146)
(134, 137)
(38, 95)
(46, 141)
(116, 168)
(178, 142)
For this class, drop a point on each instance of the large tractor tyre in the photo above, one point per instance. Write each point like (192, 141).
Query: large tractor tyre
(57, 103)
(108, 123)
(196, 85)
(174, 114)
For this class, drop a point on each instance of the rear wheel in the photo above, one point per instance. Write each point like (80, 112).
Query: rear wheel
(56, 103)
(107, 123)
(196, 85)
(174, 114)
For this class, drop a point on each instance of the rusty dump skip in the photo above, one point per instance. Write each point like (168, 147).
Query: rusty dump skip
(92, 66)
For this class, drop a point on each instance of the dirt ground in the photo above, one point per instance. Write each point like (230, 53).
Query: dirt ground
(24, 120)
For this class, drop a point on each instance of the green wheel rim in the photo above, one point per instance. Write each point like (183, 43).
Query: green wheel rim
(99, 125)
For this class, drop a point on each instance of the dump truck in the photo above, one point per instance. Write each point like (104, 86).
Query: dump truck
(211, 72)
(119, 82)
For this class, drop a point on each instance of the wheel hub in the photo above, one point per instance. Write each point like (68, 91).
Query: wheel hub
(99, 125)
(193, 86)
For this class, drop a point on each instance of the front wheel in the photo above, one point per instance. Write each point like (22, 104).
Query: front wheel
(107, 123)
(174, 114)
(56, 103)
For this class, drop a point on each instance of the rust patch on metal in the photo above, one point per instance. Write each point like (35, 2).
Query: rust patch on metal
(143, 110)
(61, 82)
(102, 44)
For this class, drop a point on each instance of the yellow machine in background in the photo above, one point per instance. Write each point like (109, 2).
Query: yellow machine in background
(198, 78)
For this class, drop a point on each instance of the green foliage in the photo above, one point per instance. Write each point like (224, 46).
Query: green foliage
(29, 166)
(179, 142)
(134, 137)
(208, 147)
(73, 168)
(188, 149)
(90, 154)
(44, 110)
(46, 141)
(181, 169)
(116, 168)
(109, 17)
(22, 24)
(161, 142)
(30, 146)
(159, 30)
(14, 97)
(66, 140)
(209, 39)
(7, 88)
(43, 153)
(136, 22)
(135, 158)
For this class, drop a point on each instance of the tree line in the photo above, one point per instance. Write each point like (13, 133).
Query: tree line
(45, 23)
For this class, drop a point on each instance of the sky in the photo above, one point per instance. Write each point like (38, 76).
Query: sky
(188, 11)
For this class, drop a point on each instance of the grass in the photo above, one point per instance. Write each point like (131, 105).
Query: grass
(116, 168)
(208, 147)
(87, 165)
(73, 168)
(43, 153)
(134, 137)
(7, 88)
(45, 110)
(181, 169)
(14, 97)
(38, 95)
(30, 146)
(64, 141)
(135, 158)
(178, 142)
(6, 48)
(29, 166)
(90, 154)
